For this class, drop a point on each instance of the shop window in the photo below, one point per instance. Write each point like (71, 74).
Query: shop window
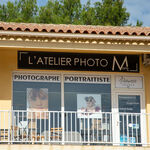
(81, 90)
(36, 92)
(88, 99)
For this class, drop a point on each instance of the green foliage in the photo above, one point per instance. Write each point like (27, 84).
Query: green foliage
(12, 11)
(28, 10)
(139, 23)
(88, 14)
(19, 11)
(105, 12)
(50, 13)
(70, 11)
(111, 12)
(3, 13)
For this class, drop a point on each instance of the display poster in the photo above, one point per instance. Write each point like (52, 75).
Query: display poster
(37, 101)
(89, 105)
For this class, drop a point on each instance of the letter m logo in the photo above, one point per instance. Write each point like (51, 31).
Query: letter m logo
(122, 66)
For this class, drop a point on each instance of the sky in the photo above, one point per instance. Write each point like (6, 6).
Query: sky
(138, 9)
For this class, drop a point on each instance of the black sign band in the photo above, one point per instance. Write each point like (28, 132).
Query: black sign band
(78, 61)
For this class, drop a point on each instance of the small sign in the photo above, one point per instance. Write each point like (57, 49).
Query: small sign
(134, 126)
(129, 103)
(103, 79)
(35, 77)
(129, 82)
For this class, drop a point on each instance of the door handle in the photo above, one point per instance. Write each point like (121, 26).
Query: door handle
(118, 123)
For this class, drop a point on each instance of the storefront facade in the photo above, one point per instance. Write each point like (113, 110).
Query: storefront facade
(89, 83)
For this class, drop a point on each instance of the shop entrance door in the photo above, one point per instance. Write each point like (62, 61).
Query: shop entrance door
(130, 121)
(129, 118)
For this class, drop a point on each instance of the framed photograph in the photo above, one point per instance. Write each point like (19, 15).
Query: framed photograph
(89, 105)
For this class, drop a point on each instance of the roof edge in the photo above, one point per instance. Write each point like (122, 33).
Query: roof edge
(75, 29)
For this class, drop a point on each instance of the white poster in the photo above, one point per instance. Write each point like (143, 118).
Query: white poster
(89, 105)
(129, 82)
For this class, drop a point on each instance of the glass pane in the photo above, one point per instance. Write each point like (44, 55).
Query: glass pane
(74, 92)
(130, 127)
(36, 96)
(89, 107)
(129, 103)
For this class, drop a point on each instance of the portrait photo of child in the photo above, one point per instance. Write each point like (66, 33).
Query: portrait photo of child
(37, 100)
(88, 105)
